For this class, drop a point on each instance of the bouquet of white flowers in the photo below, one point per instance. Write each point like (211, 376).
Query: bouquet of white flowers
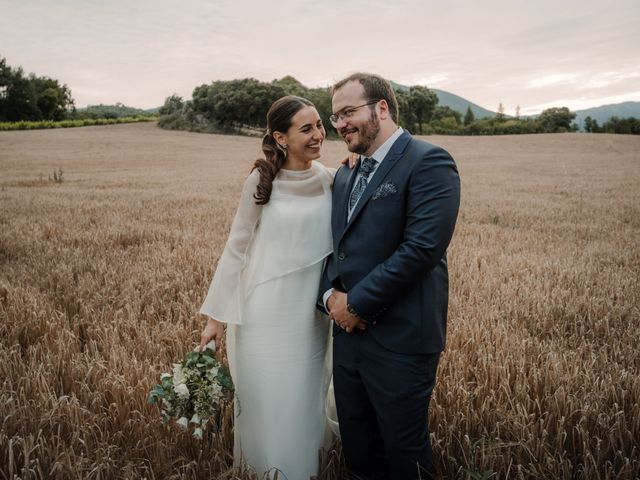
(196, 390)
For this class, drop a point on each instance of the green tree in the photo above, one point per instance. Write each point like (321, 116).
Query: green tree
(422, 102)
(407, 119)
(500, 115)
(443, 111)
(291, 86)
(109, 111)
(202, 101)
(321, 98)
(236, 103)
(53, 100)
(591, 125)
(31, 97)
(172, 104)
(469, 117)
(630, 126)
(445, 121)
(556, 119)
(18, 100)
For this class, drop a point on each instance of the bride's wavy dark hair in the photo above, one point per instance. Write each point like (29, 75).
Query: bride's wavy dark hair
(278, 120)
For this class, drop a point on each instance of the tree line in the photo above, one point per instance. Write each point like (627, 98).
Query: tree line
(110, 112)
(240, 106)
(31, 98)
(628, 125)
(551, 120)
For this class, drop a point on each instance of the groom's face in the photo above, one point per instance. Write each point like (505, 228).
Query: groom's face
(361, 126)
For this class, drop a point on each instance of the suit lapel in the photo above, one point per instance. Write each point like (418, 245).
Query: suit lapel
(385, 167)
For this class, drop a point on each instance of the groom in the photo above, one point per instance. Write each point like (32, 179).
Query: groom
(385, 286)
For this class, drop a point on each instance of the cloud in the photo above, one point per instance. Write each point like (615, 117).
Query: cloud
(553, 79)
(608, 79)
(432, 80)
(140, 52)
(583, 102)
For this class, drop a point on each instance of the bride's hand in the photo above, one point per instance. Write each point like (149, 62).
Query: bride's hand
(213, 330)
(351, 160)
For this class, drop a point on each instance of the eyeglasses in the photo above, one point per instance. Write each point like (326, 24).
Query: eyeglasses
(347, 113)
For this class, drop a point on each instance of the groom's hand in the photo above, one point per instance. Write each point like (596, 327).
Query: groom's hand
(339, 313)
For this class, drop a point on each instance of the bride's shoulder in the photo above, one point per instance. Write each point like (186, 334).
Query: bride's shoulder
(253, 178)
(326, 172)
(251, 182)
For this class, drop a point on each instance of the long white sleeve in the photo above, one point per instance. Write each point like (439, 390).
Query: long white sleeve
(224, 299)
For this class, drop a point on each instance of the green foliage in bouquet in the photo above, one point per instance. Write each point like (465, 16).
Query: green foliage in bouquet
(195, 391)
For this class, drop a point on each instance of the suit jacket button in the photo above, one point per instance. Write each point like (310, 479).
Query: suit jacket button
(341, 256)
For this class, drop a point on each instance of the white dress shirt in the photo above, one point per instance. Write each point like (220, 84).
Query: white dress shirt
(378, 156)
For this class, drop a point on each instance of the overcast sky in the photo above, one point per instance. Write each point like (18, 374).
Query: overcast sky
(533, 53)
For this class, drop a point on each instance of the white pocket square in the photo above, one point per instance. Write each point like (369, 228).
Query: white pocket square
(384, 190)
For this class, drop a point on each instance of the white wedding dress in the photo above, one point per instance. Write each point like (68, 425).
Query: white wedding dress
(265, 288)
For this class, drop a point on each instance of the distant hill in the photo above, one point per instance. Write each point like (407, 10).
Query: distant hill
(111, 111)
(455, 102)
(460, 104)
(604, 112)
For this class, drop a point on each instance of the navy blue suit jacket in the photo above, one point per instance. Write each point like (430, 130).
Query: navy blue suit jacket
(390, 257)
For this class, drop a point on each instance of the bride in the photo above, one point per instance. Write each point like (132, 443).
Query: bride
(265, 290)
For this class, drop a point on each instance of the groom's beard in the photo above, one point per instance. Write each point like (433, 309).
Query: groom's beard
(367, 134)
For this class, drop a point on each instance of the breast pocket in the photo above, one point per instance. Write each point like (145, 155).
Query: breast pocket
(387, 203)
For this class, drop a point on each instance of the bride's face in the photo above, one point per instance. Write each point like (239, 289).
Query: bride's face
(305, 136)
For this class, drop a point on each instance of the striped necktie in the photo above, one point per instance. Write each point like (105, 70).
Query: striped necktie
(366, 167)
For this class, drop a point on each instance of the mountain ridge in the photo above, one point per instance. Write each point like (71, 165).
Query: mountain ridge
(601, 113)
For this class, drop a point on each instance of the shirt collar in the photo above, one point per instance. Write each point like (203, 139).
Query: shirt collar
(383, 149)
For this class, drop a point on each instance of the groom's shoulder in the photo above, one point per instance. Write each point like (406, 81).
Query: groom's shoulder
(420, 145)
(423, 150)
(343, 172)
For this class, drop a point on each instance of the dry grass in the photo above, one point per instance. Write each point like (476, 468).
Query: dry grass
(101, 276)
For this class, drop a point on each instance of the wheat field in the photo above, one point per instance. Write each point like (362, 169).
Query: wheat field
(102, 273)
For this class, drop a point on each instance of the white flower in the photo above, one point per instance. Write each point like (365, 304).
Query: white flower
(215, 390)
(182, 391)
(183, 422)
(213, 371)
(190, 389)
(178, 374)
